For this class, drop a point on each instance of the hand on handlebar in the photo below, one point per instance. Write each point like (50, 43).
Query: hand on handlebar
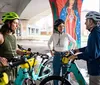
(72, 57)
(22, 51)
(3, 61)
(27, 53)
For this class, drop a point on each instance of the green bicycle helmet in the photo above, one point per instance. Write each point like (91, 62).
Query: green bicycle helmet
(9, 16)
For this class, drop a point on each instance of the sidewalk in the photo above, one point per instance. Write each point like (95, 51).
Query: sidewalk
(35, 38)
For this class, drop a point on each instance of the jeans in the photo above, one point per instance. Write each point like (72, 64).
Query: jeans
(57, 65)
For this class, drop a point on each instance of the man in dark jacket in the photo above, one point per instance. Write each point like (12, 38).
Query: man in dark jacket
(91, 53)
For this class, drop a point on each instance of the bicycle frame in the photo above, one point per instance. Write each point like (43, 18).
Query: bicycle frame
(26, 73)
(36, 76)
(21, 75)
(4, 79)
(72, 67)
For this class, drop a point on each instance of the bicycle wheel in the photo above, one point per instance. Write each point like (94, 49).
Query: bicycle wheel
(28, 81)
(48, 64)
(49, 81)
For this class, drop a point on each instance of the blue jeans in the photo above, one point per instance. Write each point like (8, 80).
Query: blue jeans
(57, 65)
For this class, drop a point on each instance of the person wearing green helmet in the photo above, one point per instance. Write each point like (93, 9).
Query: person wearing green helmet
(8, 45)
(60, 42)
(7, 35)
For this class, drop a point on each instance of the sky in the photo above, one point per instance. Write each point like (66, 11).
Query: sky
(92, 5)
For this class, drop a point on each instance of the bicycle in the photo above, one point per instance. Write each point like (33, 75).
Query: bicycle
(63, 80)
(4, 79)
(26, 73)
(46, 63)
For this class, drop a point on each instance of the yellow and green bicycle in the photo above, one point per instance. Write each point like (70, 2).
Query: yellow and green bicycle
(70, 66)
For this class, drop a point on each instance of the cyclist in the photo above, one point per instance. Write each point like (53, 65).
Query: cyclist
(60, 46)
(8, 45)
(91, 53)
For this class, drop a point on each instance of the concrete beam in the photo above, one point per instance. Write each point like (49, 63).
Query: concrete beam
(39, 16)
(22, 5)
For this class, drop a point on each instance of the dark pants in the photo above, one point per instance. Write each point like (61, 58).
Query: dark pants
(57, 65)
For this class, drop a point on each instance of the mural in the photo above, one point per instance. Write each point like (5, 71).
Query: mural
(69, 11)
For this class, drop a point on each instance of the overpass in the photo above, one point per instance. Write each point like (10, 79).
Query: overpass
(26, 9)
(29, 11)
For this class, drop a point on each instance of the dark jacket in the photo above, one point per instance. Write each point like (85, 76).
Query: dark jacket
(91, 53)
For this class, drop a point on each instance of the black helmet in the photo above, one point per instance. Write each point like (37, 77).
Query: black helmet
(57, 23)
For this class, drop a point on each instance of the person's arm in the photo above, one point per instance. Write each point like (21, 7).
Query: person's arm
(79, 50)
(1, 38)
(78, 53)
(49, 45)
(20, 52)
(82, 49)
(92, 51)
(72, 41)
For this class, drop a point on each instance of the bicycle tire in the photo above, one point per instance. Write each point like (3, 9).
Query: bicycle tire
(47, 63)
(47, 80)
(28, 81)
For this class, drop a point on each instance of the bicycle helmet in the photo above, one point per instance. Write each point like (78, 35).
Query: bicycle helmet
(9, 16)
(57, 23)
(93, 15)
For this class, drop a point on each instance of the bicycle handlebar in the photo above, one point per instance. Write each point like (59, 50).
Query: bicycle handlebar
(16, 63)
(44, 56)
(35, 54)
(18, 60)
(69, 53)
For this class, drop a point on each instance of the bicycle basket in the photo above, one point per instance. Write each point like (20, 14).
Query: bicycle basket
(65, 58)
(31, 62)
(4, 79)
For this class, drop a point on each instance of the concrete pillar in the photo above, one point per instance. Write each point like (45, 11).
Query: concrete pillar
(24, 23)
(1, 13)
